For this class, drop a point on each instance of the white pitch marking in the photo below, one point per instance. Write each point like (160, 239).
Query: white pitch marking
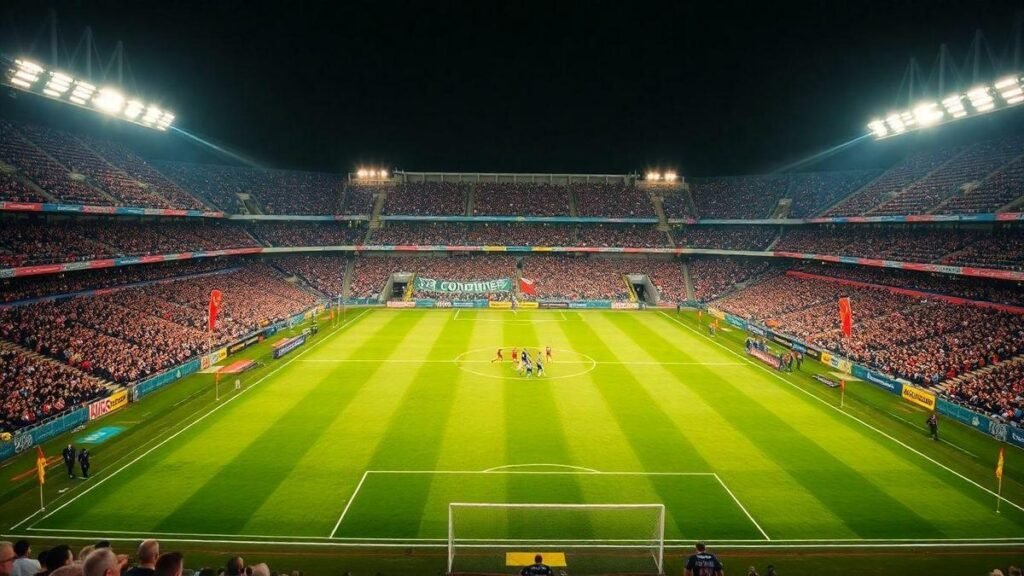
(848, 415)
(742, 507)
(508, 466)
(191, 424)
(563, 362)
(351, 499)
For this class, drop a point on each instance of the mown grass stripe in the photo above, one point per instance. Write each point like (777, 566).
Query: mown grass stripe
(845, 490)
(270, 457)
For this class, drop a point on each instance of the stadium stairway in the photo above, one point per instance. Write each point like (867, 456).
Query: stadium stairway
(470, 200)
(346, 283)
(378, 207)
(688, 280)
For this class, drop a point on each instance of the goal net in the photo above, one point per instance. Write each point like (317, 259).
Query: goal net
(488, 538)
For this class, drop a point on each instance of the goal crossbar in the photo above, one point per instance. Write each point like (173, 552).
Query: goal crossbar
(657, 540)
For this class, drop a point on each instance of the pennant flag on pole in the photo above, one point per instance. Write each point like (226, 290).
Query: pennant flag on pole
(40, 465)
(215, 301)
(999, 465)
(527, 286)
(846, 316)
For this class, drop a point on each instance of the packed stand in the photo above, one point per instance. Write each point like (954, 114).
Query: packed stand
(326, 274)
(14, 190)
(714, 277)
(33, 389)
(79, 158)
(612, 200)
(29, 241)
(520, 234)
(464, 269)
(359, 199)
(969, 167)
(994, 193)
(427, 199)
(618, 236)
(579, 278)
(725, 237)
(52, 285)
(911, 169)
(813, 192)
(520, 199)
(1001, 249)
(737, 196)
(418, 234)
(667, 277)
(677, 204)
(139, 331)
(137, 168)
(218, 185)
(306, 233)
(998, 392)
(371, 273)
(923, 341)
(34, 164)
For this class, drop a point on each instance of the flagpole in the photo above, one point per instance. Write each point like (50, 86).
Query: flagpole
(42, 505)
(842, 393)
(999, 495)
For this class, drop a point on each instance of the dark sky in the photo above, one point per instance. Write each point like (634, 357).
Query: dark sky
(713, 87)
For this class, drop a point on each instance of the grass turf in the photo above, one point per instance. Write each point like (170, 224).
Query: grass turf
(627, 392)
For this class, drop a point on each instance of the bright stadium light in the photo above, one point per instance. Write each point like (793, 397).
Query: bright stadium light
(31, 77)
(982, 99)
(362, 173)
(671, 177)
(653, 176)
(383, 174)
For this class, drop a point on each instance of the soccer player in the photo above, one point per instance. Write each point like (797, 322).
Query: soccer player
(498, 358)
(933, 426)
(540, 367)
(538, 568)
(515, 354)
(547, 353)
(703, 563)
(69, 460)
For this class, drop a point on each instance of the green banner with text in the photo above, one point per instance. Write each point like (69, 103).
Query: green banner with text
(463, 287)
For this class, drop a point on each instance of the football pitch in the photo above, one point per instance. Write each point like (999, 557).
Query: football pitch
(368, 433)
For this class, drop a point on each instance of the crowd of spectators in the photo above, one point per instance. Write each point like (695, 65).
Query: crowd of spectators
(903, 174)
(520, 234)
(998, 391)
(725, 237)
(580, 277)
(992, 194)
(274, 191)
(32, 388)
(120, 156)
(969, 167)
(139, 331)
(520, 199)
(617, 236)
(924, 341)
(427, 199)
(371, 273)
(464, 269)
(14, 190)
(612, 200)
(17, 152)
(395, 233)
(713, 277)
(1003, 248)
(737, 196)
(667, 277)
(307, 233)
(31, 241)
(326, 274)
(359, 199)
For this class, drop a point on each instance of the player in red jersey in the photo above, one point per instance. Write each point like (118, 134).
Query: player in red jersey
(547, 353)
(498, 358)
(515, 354)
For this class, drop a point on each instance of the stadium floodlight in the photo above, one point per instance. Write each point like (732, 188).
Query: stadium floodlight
(671, 176)
(383, 174)
(362, 173)
(982, 99)
(653, 176)
(30, 77)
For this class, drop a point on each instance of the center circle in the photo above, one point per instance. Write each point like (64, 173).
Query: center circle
(563, 364)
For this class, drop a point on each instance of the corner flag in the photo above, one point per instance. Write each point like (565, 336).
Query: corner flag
(527, 286)
(40, 465)
(999, 465)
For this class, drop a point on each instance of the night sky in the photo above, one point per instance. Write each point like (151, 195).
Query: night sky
(597, 87)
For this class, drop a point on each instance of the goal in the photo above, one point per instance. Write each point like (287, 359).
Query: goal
(590, 538)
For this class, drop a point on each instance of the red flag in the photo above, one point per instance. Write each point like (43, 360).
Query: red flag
(40, 465)
(215, 300)
(999, 465)
(527, 286)
(846, 316)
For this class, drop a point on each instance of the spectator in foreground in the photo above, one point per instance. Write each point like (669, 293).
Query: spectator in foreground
(7, 557)
(703, 563)
(235, 566)
(149, 553)
(57, 557)
(24, 564)
(171, 564)
(102, 562)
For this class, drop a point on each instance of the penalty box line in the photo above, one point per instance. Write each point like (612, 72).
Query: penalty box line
(326, 338)
(574, 471)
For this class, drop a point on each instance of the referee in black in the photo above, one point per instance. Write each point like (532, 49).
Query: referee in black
(83, 461)
(933, 426)
(69, 460)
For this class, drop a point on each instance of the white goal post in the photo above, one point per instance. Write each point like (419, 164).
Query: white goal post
(592, 536)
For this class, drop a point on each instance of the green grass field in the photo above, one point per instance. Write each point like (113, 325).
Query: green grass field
(363, 437)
